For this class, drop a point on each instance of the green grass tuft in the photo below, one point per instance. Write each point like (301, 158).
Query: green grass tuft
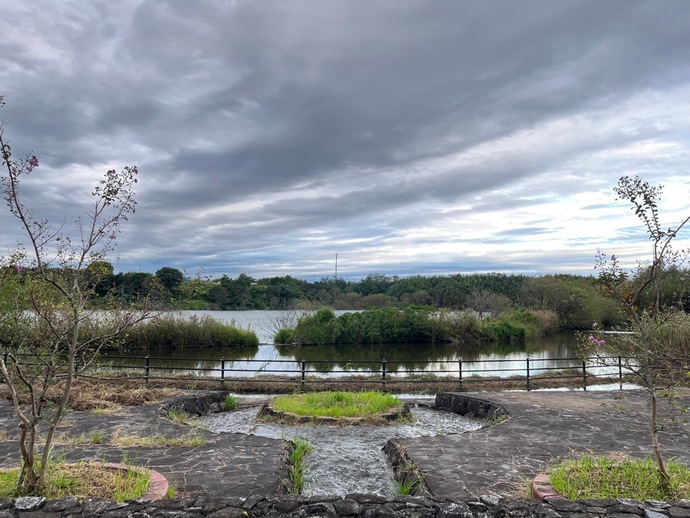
(618, 477)
(336, 404)
(300, 448)
(177, 415)
(230, 403)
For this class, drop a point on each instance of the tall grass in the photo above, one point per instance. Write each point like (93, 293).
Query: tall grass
(173, 332)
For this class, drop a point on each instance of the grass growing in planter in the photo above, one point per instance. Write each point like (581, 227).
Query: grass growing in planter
(336, 404)
(406, 486)
(83, 479)
(618, 476)
(300, 448)
(230, 403)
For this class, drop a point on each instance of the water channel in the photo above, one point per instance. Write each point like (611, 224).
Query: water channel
(346, 459)
(267, 358)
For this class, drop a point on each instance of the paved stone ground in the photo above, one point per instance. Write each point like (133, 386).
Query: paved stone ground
(543, 426)
(498, 459)
(227, 465)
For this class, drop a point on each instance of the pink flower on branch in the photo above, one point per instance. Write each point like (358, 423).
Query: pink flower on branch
(594, 341)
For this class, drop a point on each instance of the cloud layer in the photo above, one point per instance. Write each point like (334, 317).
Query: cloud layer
(405, 136)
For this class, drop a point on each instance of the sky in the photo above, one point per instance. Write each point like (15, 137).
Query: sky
(405, 136)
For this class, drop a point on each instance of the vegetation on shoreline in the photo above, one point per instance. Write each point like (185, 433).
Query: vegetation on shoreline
(168, 331)
(415, 325)
(575, 300)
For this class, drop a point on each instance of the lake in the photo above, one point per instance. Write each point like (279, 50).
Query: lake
(334, 360)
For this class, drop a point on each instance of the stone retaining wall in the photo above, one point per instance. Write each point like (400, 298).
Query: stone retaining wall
(196, 404)
(364, 506)
(470, 406)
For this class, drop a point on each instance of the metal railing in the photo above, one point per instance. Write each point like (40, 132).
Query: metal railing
(462, 373)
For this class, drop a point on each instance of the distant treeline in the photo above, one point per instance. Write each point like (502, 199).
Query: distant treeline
(576, 300)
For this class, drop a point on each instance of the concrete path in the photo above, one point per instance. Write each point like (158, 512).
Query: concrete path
(543, 426)
(499, 459)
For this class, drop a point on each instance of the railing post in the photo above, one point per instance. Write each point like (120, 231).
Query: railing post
(620, 373)
(460, 374)
(584, 375)
(147, 369)
(222, 371)
(528, 383)
(383, 374)
(304, 373)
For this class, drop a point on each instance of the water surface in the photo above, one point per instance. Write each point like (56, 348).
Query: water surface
(346, 459)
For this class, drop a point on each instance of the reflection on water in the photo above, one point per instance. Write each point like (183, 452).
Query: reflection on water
(340, 360)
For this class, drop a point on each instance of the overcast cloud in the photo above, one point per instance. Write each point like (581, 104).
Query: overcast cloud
(406, 136)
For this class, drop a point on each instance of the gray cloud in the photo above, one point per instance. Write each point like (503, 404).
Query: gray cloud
(259, 126)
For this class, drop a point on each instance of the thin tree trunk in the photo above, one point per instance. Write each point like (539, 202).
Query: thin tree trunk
(661, 466)
(64, 398)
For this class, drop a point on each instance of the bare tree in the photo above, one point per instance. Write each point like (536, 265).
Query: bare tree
(48, 333)
(653, 349)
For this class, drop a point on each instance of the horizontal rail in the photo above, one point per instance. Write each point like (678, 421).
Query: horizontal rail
(302, 371)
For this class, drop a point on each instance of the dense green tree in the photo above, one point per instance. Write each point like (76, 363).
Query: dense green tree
(374, 284)
(131, 286)
(240, 291)
(170, 278)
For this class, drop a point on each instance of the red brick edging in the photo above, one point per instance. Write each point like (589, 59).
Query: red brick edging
(542, 488)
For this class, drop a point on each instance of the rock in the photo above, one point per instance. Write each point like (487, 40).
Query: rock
(346, 507)
(454, 510)
(29, 503)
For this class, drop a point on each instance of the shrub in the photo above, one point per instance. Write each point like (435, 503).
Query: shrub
(284, 336)
(504, 330)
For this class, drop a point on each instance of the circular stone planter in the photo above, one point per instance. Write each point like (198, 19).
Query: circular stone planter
(268, 413)
(158, 485)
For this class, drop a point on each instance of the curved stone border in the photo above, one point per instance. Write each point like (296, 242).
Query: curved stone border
(158, 484)
(196, 404)
(470, 406)
(405, 470)
(266, 411)
(403, 466)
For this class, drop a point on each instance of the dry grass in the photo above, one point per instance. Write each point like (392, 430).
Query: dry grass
(107, 396)
(125, 440)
